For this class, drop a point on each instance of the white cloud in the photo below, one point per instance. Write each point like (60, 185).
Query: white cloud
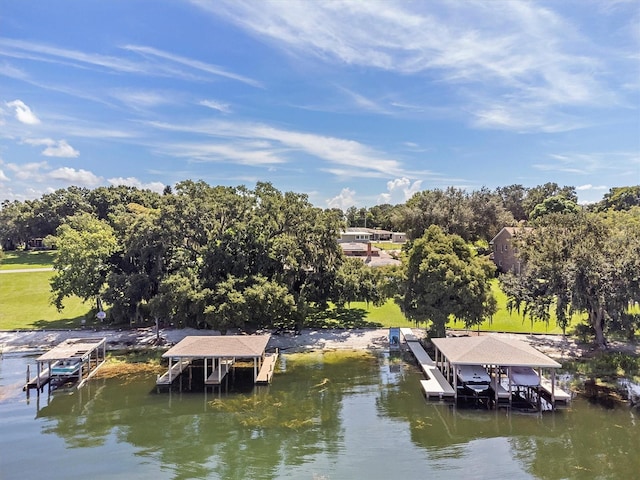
(155, 62)
(55, 148)
(35, 173)
(143, 98)
(23, 113)
(344, 200)
(32, 171)
(134, 182)
(12, 72)
(276, 145)
(399, 190)
(365, 103)
(3, 177)
(72, 176)
(588, 186)
(592, 163)
(215, 105)
(191, 63)
(527, 59)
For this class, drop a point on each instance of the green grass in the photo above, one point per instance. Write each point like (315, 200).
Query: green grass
(388, 245)
(20, 259)
(24, 304)
(389, 315)
(512, 322)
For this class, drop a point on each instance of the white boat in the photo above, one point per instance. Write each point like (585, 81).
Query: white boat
(65, 369)
(474, 377)
(523, 376)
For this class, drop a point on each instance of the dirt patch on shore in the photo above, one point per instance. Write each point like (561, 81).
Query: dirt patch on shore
(555, 346)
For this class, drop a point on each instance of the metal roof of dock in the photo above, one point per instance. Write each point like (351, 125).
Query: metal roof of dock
(492, 350)
(219, 346)
(72, 348)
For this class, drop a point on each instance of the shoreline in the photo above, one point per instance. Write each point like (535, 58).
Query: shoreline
(555, 346)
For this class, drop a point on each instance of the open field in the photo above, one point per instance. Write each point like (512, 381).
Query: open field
(505, 321)
(389, 315)
(24, 303)
(15, 260)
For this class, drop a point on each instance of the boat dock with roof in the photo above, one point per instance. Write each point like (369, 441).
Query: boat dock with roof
(487, 370)
(217, 355)
(499, 371)
(72, 363)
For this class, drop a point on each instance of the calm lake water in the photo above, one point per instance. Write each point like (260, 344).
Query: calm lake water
(332, 416)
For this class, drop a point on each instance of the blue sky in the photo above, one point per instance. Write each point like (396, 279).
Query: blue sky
(353, 103)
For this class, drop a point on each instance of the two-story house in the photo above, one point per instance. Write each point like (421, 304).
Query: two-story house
(504, 250)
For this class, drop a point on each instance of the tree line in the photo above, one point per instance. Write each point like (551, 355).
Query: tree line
(234, 257)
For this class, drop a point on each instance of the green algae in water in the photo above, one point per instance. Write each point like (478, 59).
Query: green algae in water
(303, 395)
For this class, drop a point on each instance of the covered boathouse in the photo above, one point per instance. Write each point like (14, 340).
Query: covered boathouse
(71, 362)
(217, 355)
(500, 371)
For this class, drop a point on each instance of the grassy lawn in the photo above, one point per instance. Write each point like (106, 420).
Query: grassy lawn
(24, 304)
(19, 259)
(388, 245)
(503, 321)
(389, 315)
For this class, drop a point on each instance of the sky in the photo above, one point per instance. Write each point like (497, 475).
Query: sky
(352, 103)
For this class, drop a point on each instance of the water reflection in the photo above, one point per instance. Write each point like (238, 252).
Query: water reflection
(333, 415)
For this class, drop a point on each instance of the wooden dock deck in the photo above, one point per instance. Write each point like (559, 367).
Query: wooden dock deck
(38, 381)
(174, 372)
(219, 373)
(408, 335)
(562, 398)
(268, 367)
(421, 355)
(503, 393)
(436, 386)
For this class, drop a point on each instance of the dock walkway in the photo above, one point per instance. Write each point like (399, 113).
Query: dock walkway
(268, 366)
(220, 372)
(174, 372)
(562, 398)
(435, 385)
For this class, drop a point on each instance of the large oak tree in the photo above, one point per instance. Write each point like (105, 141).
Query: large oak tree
(443, 278)
(579, 262)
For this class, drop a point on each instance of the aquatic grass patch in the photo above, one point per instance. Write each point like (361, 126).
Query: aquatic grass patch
(305, 397)
(276, 411)
(130, 364)
(329, 357)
